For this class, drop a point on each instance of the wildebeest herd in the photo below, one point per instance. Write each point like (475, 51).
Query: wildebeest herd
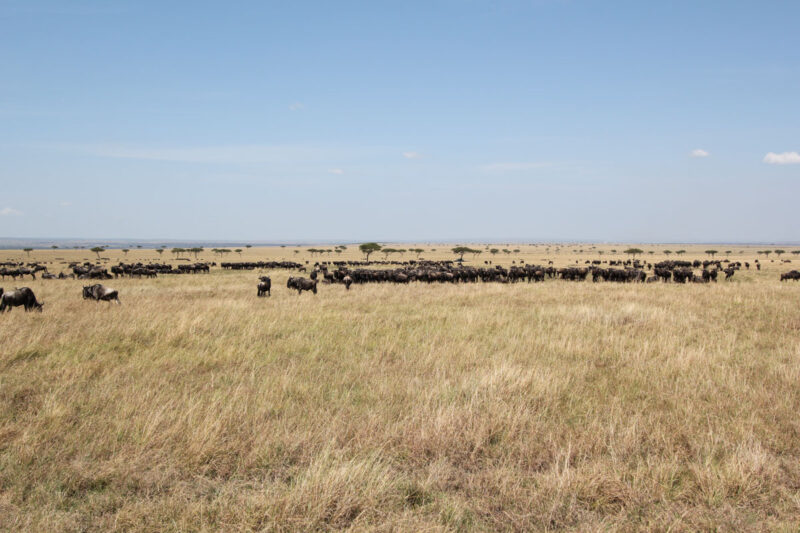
(356, 272)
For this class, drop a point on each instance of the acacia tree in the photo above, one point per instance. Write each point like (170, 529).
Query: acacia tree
(125, 251)
(667, 252)
(461, 250)
(633, 252)
(97, 250)
(238, 251)
(27, 251)
(159, 251)
(368, 248)
(779, 252)
(712, 253)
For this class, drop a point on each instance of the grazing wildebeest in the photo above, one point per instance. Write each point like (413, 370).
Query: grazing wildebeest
(264, 286)
(302, 284)
(347, 280)
(99, 292)
(792, 274)
(729, 272)
(17, 297)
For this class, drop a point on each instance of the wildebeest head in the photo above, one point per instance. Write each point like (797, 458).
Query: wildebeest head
(87, 292)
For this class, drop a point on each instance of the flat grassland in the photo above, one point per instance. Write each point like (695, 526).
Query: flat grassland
(196, 406)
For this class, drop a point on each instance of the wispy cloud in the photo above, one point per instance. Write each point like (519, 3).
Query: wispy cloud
(515, 166)
(784, 158)
(412, 155)
(296, 106)
(10, 212)
(699, 152)
(252, 153)
(337, 171)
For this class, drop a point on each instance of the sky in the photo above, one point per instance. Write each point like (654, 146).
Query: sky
(536, 120)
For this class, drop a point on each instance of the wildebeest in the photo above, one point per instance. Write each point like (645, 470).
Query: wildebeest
(347, 280)
(302, 284)
(99, 292)
(17, 297)
(792, 274)
(264, 286)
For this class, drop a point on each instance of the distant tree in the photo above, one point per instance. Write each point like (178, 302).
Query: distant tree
(780, 252)
(338, 250)
(54, 247)
(506, 251)
(177, 252)
(516, 250)
(159, 251)
(387, 251)
(796, 252)
(766, 253)
(342, 247)
(680, 252)
(369, 248)
(633, 252)
(297, 251)
(125, 251)
(494, 251)
(418, 251)
(728, 252)
(97, 250)
(613, 251)
(651, 252)
(712, 253)
(238, 251)
(461, 250)
(667, 252)
(138, 245)
(248, 245)
(27, 251)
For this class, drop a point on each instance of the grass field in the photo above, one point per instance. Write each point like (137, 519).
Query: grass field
(195, 406)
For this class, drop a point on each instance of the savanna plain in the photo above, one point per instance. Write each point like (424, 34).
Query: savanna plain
(197, 406)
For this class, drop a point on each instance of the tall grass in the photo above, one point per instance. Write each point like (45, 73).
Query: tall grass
(196, 406)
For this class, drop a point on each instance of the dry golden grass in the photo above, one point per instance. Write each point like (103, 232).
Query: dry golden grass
(196, 406)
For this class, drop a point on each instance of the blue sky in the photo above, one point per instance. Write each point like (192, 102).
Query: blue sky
(444, 119)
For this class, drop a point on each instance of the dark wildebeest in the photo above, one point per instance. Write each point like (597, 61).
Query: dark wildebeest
(264, 286)
(17, 297)
(792, 274)
(99, 292)
(302, 284)
(347, 280)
